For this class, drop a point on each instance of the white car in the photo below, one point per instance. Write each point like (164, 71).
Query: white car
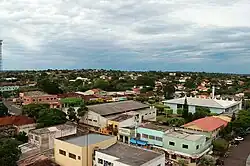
(238, 139)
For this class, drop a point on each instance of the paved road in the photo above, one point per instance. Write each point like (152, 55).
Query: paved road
(239, 154)
(13, 109)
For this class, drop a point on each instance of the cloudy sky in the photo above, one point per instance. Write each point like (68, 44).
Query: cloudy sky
(183, 35)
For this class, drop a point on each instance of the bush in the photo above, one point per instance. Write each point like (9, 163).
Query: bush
(220, 145)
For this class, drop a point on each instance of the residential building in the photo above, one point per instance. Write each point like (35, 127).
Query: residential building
(152, 134)
(38, 97)
(99, 114)
(126, 155)
(119, 121)
(79, 151)
(20, 123)
(184, 144)
(44, 138)
(125, 134)
(214, 105)
(208, 125)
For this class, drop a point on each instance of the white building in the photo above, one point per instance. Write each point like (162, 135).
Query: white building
(98, 115)
(215, 105)
(121, 154)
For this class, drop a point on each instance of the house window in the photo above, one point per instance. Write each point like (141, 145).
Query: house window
(138, 135)
(47, 98)
(184, 146)
(95, 120)
(40, 99)
(151, 137)
(33, 100)
(158, 139)
(173, 156)
(90, 119)
(100, 161)
(73, 156)
(79, 158)
(51, 98)
(144, 136)
(171, 143)
(197, 147)
(62, 152)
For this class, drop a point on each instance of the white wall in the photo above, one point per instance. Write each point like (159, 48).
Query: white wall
(157, 161)
(94, 119)
(148, 114)
(127, 122)
(173, 107)
(108, 158)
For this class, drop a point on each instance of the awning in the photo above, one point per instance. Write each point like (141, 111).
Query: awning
(133, 141)
(143, 143)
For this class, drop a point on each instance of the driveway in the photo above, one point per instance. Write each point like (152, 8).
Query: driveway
(239, 154)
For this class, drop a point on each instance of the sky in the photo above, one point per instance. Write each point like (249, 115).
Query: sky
(167, 35)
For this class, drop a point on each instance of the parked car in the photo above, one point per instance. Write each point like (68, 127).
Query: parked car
(238, 139)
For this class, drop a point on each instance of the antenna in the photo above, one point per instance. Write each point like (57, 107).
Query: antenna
(1, 42)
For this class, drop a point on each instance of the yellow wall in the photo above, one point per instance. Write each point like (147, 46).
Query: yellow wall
(78, 151)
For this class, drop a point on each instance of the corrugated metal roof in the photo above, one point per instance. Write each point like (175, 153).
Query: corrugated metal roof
(214, 103)
(117, 107)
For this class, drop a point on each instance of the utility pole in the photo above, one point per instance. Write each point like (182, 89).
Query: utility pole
(1, 67)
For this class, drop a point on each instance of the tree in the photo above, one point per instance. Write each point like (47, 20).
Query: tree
(220, 145)
(71, 113)
(175, 122)
(32, 110)
(22, 137)
(233, 117)
(51, 117)
(169, 90)
(182, 162)
(3, 110)
(49, 87)
(145, 81)
(201, 112)
(101, 84)
(9, 152)
(82, 111)
(207, 160)
(185, 109)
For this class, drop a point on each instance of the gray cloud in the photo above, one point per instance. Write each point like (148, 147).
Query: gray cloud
(113, 33)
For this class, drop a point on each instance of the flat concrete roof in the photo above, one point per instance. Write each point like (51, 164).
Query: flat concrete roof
(88, 139)
(131, 155)
(184, 135)
(153, 126)
(52, 129)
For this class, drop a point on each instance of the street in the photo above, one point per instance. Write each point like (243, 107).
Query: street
(239, 154)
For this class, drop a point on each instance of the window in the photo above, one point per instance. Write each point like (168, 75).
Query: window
(40, 99)
(173, 156)
(151, 137)
(71, 155)
(51, 98)
(144, 136)
(79, 158)
(197, 147)
(90, 119)
(62, 152)
(184, 146)
(100, 161)
(159, 165)
(158, 139)
(95, 120)
(36, 138)
(138, 135)
(47, 98)
(146, 114)
(171, 143)
(34, 100)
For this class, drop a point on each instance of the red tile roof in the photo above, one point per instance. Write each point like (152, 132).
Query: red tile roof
(16, 120)
(208, 123)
